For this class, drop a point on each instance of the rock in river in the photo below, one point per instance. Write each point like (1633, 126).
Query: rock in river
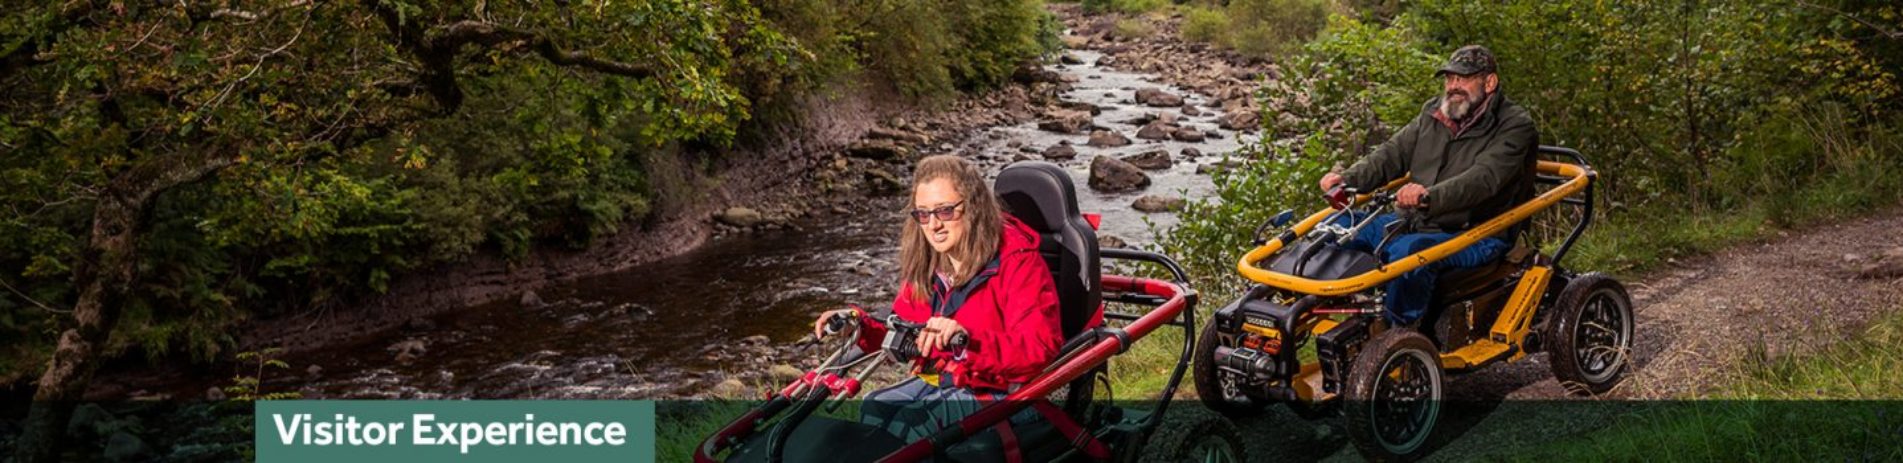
(1107, 138)
(1060, 151)
(1150, 160)
(1158, 98)
(1188, 134)
(1065, 121)
(1155, 130)
(1111, 174)
(1157, 203)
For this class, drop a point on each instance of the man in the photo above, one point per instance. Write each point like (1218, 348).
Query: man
(1469, 156)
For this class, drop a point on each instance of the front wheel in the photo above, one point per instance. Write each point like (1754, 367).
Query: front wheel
(1394, 394)
(1591, 338)
(1222, 392)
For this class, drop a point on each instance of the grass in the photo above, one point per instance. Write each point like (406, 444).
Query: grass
(1133, 28)
(1125, 6)
(1630, 242)
(1840, 403)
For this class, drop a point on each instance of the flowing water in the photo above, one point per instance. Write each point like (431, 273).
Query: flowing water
(739, 304)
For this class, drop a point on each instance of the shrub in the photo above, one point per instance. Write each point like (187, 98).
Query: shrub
(1209, 25)
(1258, 27)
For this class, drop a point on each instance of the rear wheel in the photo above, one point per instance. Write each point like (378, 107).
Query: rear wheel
(1222, 392)
(1394, 393)
(1591, 336)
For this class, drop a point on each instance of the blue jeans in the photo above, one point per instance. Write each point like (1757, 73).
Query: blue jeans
(1409, 294)
(914, 409)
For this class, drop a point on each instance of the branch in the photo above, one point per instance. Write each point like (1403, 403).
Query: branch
(450, 38)
(34, 301)
(1873, 26)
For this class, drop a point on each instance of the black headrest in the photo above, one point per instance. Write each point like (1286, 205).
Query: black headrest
(1039, 193)
(1043, 196)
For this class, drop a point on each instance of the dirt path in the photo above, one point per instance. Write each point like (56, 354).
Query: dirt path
(1698, 317)
(1792, 294)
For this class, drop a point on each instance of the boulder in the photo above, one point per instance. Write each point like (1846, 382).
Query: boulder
(737, 216)
(1213, 167)
(532, 300)
(1240, 119)
(731, 388)
(898, 135)
(1112, 175)
(1140, 119)
(884, 181)
(1149, 160)
(1070, 59)
(1188, 134)
(1884, 270)
(1065, 121)
(1031, 73)
(1192, 153)
(1157, 203)
(1081, 106)
(1110, 242)
(90, 418)
(1060, 151)
(880, 150)
(1107, 139)
(1190, 110)
(124, 446)
(408, 350)
(1158, 98)
(1156, 130)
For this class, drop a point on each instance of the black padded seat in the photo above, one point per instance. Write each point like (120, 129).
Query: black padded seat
(1043, 196)
(1461, 283)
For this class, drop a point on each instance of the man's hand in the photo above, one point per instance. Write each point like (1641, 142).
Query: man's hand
(1411, 196)
(938, 331)
(1329, 180)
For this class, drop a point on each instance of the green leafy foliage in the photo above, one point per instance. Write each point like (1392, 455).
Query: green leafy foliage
(1756, 112)
(1258, 27)
(1124, 6)
(327, 149)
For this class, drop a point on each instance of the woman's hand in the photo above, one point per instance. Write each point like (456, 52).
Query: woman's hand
(819, 326)
(937, 332)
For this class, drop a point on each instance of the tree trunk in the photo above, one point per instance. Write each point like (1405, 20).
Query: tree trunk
(104, 275)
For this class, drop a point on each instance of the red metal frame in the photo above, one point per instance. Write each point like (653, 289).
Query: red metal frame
(1177, 299)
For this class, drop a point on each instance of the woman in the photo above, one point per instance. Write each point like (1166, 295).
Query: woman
(965, 267)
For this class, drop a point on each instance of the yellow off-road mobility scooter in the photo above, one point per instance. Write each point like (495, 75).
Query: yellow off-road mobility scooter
(1311, 334)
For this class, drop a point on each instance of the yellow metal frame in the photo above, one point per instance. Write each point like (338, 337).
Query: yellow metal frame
(1577, 177)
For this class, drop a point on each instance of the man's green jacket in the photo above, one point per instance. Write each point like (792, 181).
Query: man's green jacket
(1471, 177)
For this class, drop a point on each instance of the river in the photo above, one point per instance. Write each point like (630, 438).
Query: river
(737, 305)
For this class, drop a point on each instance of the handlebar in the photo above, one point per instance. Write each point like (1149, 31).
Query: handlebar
(838, 322)
(1577, 179)
(901, 338)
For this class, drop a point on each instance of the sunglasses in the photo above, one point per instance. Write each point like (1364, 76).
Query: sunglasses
(944, 214)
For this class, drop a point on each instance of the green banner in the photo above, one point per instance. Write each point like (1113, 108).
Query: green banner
(361, 431)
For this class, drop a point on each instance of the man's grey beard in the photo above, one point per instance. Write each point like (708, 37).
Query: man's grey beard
(1459, 111)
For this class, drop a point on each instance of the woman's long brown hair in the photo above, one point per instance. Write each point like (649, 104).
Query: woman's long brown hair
(985, 224)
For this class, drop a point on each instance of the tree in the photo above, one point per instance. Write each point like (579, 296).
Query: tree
(108, 107)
